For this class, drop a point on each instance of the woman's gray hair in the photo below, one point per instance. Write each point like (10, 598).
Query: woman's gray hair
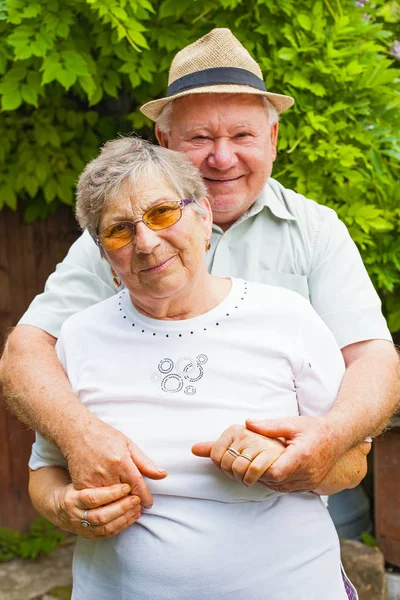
(129, 160)
(164, 120)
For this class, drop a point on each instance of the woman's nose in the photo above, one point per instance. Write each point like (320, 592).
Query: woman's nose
(222, 155)
(145, 239)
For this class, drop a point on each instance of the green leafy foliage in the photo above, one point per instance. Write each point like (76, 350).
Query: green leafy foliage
(42, 537)
(74, 72)
(368, 539)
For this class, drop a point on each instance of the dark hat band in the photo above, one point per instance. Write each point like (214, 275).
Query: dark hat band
(216, 76)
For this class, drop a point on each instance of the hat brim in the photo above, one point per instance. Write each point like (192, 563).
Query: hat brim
(153, 109)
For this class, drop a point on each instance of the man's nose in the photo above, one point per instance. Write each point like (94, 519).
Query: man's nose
(222, 155)
(145, 240)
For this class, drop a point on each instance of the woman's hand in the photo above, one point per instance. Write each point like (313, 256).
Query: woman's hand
(260, 453)
(108, 510)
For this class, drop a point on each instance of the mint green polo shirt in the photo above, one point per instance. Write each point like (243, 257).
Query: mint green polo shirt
(284, 240)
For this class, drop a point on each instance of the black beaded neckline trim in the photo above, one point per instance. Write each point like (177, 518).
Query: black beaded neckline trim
(179, 335)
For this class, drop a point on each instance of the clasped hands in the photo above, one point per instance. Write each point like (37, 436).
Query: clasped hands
(299, 464)
(242, 454)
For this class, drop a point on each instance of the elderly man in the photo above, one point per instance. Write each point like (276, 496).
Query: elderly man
(219, 113)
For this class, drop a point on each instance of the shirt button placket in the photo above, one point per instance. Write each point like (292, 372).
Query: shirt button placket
(222, 259)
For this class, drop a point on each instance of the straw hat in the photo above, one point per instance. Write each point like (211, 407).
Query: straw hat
(215, 64)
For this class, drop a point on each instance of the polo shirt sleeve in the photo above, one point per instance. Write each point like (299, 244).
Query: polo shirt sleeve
(82, 279)
(340, 288)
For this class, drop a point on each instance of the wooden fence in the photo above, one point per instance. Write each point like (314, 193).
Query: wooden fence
(28, 254)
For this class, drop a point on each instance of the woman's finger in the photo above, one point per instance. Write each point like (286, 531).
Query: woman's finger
(202, 449)
(259, 465)
(116, 526)
(226, 464)
(241, 464)
(110, 512)
(94, 497)
(226, 440)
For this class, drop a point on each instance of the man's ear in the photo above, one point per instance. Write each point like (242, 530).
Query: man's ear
(162, 137)
(274, 138)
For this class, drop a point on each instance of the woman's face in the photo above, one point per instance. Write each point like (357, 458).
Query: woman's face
(157, 264)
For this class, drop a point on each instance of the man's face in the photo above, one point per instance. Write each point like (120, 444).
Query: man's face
(228, 137)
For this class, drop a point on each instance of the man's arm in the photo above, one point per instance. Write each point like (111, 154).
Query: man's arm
(37, 390)
(347, 472)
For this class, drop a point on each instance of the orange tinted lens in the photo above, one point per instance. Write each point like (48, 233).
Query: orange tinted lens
(116, 236)
(163, 215)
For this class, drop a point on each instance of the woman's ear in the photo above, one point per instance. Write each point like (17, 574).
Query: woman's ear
(207, 217)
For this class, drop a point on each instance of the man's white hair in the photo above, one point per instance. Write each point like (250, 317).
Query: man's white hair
(164, 120)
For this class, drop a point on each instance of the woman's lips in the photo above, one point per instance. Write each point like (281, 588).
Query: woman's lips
(157, 267)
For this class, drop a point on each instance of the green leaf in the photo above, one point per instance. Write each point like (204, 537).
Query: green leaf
(29, 94)
(88, 85)
(41, 171)
(75, 63)
(318, 89)
(110, 88)
(66, 78)
(287, 54)
(31, 185)
(305, 21)
(50, 190)
(368, 539)
(51, 67)
(138, 38)
(15, 74)
(8, 196)
(11, 100)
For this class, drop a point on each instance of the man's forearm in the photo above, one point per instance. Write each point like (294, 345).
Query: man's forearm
(36, 388)
(38, 392)
(369, 393)
(347, 472)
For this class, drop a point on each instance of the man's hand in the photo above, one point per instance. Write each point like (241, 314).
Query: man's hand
(103, 456)
(312, 450)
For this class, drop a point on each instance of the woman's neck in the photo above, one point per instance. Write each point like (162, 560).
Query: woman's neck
(203, 294)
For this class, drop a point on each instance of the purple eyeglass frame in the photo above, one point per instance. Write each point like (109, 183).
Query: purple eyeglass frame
(182, 204)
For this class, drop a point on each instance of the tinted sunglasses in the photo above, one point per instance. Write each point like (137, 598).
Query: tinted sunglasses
(158, 217)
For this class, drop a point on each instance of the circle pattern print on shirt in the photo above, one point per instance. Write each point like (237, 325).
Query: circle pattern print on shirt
(172, 383)
(172, 377)
(202, 359)
(190, 390)
(165, 365)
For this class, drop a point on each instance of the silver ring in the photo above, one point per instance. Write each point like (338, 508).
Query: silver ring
(234, 452)
(85, 522)
(247, 456)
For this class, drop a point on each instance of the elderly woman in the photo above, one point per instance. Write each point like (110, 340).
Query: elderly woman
(176, 358)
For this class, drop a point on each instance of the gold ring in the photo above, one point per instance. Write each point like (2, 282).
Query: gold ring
(234, 452)
(247, 456)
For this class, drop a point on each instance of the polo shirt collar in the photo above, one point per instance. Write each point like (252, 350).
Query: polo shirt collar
(269, 199)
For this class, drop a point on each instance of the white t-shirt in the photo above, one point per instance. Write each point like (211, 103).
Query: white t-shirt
(263, 352)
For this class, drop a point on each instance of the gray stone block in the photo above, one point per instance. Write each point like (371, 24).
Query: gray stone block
(365, 567)
(29, 579)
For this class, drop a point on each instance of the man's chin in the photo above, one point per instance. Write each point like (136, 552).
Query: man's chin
(225, 216)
